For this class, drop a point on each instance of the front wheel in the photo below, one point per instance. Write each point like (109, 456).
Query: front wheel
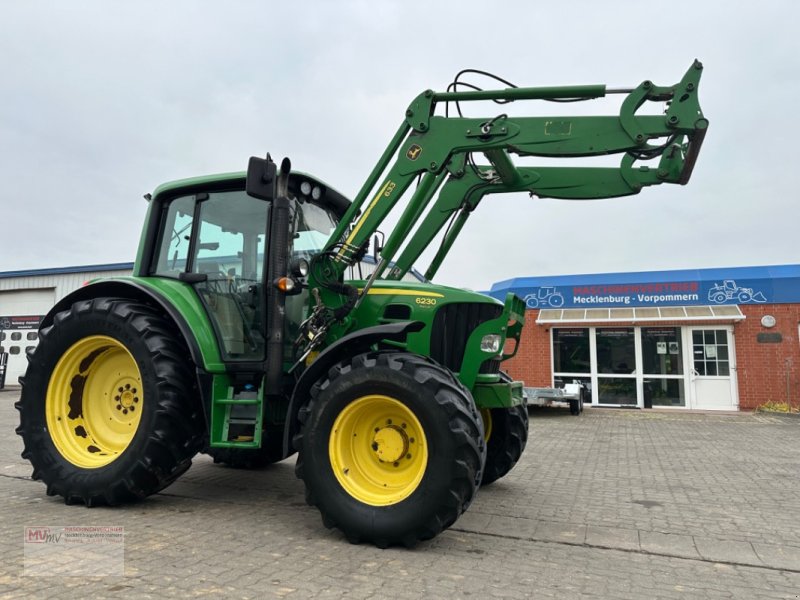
(506, 436)
(108, 410)
(391, 448)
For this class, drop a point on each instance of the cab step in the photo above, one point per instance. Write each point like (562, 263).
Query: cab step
(237, 417)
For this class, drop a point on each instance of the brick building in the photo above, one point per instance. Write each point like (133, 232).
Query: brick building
(723, 339)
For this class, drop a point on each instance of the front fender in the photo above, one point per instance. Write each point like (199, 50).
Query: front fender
(350, 345)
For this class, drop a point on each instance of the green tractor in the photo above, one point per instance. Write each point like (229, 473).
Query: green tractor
(250, 331)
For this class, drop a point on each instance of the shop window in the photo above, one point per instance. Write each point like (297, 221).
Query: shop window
(571, 351)
(616, 350)
(2, 337)
(32, 336)
(572, 358)
(2, 350)
(13, 350)
(661, 351)
(664, 392)
(561, 380)
(616, 390)
(16, 336)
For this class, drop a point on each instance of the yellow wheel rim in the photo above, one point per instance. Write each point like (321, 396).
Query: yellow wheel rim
(94, 401)
(486, 415)
(378, 450)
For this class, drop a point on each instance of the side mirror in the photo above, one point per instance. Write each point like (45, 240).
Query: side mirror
(262, 178)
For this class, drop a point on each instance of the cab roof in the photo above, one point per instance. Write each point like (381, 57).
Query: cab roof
(331, 196)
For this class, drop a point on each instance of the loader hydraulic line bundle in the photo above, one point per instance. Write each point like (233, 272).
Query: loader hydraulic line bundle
(248, 330)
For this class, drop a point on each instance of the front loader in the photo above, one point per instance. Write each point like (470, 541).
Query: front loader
(248, 330)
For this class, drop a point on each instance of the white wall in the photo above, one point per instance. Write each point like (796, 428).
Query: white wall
(19, 297)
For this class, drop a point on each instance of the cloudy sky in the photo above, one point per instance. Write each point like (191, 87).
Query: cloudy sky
(102, 101)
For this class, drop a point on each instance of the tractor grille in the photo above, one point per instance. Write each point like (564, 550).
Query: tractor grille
(490, 367)
(452, 326)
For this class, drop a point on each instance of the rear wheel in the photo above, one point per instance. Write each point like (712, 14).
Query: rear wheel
(507, 434)
(108, 410)
(391, 448)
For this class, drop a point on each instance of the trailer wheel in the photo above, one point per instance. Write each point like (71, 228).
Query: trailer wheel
(507, 435)
(391, 448)
(108, 411)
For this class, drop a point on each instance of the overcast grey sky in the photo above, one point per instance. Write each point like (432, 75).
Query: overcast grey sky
(102, 101)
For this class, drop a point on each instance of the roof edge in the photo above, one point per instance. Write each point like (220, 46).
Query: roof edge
(126, 266)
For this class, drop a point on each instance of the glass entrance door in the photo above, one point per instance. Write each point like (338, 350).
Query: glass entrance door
(712, 358)
(662, 365)
(616, 366)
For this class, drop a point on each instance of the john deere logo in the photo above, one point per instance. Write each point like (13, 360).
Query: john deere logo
(413, 152)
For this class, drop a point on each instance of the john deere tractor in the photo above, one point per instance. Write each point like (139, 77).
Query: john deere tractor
(254, 326)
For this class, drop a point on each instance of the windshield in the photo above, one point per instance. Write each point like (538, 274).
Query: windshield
(313, 226)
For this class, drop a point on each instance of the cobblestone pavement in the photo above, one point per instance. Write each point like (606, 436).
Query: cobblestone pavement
(612, 504)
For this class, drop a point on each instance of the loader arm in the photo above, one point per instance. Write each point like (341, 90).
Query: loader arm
(436, 150)
(462, 195)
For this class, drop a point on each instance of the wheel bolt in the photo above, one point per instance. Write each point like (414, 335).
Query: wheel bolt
(375, 446)
(411, 440)
(136, 399)
(119, 407)
(397, 464)
(124, 411)
(127, 386)
(117, 398)
(121, 390)
(403, 425)
(131, 408)
(388, 421)
(408, 456)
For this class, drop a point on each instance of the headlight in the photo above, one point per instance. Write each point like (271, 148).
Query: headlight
(299, 267)
(490, 343)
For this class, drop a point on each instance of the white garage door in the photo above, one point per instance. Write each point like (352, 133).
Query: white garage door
(20, 313)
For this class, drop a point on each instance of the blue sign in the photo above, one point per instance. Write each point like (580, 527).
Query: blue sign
(740, 285)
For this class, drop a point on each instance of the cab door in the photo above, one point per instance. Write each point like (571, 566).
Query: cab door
(218, 244)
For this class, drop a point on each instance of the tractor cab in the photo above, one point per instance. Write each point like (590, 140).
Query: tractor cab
(212, 235)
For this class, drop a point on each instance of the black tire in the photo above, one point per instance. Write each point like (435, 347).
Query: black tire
(169, 430)
(507, 439)
(574, 407)
(452, 435)
(270, 452)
